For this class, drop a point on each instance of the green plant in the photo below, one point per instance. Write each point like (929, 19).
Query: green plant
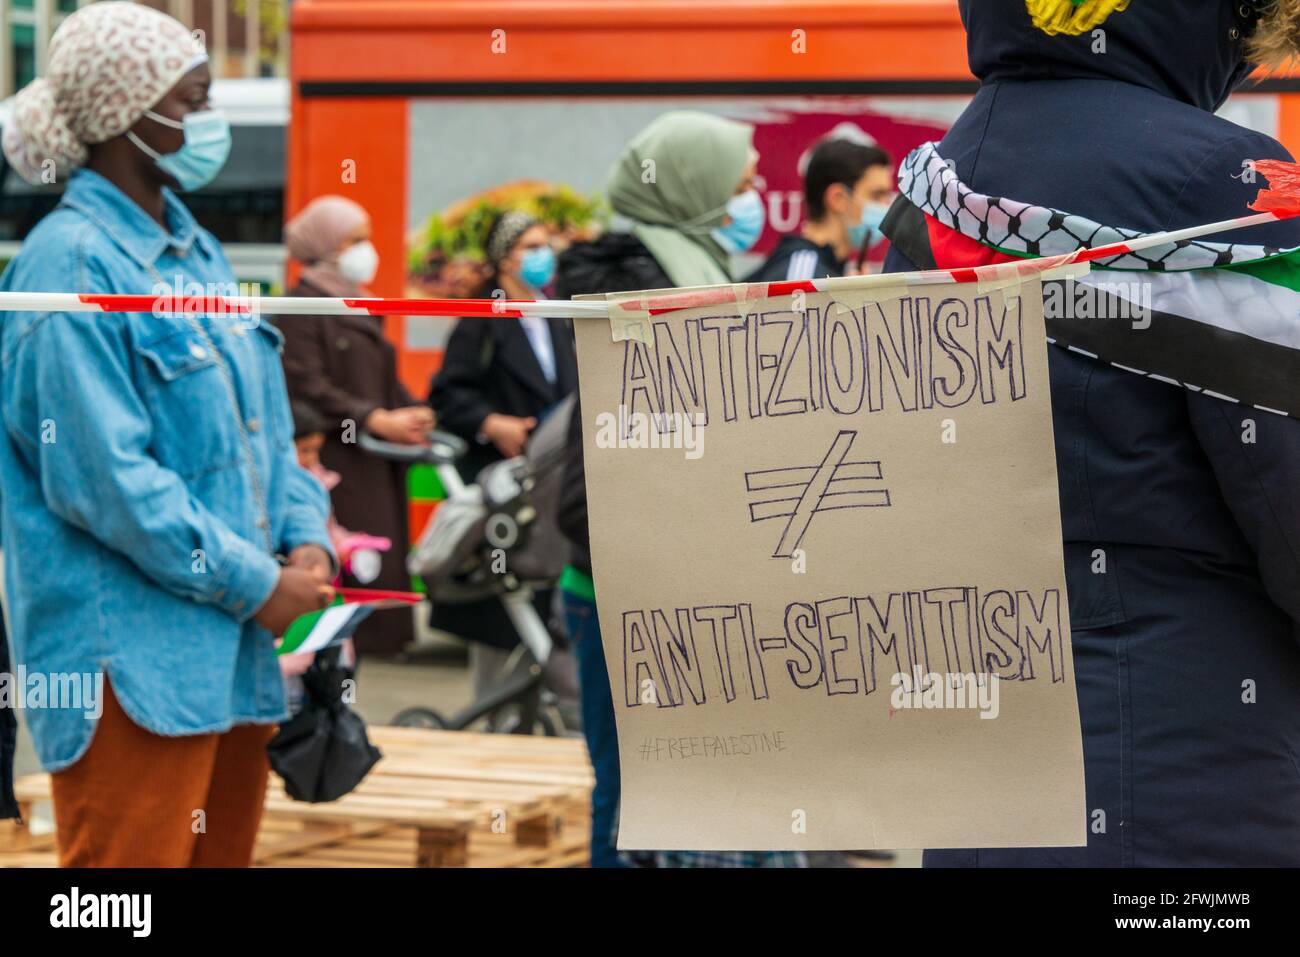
(560, 207)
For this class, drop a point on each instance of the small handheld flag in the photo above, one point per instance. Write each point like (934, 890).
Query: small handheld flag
(329, 626)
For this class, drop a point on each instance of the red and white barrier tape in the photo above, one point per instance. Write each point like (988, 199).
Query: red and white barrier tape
(669, 301)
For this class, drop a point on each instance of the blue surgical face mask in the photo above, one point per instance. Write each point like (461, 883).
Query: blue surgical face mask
(206, 147)
(873, 214)
(537, 267)
(748, 217)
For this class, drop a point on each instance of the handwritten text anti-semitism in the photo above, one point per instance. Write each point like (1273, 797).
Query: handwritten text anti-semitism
(848, 646)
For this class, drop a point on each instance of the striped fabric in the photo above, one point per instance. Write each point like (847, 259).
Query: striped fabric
(802, 265)
(1217, 318)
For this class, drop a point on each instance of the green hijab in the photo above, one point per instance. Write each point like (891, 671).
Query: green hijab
(697, 159)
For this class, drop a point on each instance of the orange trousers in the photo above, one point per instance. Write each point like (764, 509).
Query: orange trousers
(139, 799)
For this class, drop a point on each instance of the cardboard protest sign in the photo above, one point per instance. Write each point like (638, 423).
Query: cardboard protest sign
(826, 544)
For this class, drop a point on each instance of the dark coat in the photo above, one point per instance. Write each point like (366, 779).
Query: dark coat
(616, 262)
(797, 258)
(346, 368)
(1200, 531)
(489, 366)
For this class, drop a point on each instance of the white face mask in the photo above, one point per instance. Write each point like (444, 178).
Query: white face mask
(359, 262)
(365, 564)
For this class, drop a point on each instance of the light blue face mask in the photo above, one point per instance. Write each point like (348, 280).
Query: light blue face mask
(873, 214)
(537, 266)
(206, 147)
(748, 217)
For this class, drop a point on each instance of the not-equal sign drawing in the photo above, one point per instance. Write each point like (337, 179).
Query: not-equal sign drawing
(799, 493)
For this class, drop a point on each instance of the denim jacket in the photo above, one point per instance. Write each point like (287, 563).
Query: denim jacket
(140, 513)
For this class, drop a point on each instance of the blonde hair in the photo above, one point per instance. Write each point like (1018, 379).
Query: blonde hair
(1276, 40)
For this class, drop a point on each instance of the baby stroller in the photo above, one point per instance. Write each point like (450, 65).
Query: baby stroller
(495, 538)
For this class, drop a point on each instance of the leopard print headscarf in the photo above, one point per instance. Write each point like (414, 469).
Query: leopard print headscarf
(108, 63)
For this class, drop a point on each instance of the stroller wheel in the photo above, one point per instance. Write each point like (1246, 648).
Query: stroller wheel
(419, 718)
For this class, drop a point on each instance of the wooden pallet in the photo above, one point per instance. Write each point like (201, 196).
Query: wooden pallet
(436, 799)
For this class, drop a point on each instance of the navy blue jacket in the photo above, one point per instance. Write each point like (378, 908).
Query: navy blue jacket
(1187, 645)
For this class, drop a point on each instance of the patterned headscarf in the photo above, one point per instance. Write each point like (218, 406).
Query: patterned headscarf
(313, 238)
(505, 232)
(108, 63)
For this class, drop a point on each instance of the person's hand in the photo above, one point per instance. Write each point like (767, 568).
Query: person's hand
(408, 426)
(508, 433)
(312, 559)
(296, 593)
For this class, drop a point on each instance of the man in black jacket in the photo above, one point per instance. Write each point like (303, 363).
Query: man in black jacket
(847, 189)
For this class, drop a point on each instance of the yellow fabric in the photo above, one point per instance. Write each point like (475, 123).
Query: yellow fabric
(1062, 16)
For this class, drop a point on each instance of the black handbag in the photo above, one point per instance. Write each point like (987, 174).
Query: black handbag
(323, 752)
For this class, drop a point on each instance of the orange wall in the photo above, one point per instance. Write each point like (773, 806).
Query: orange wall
(369, 138)
(628, 39)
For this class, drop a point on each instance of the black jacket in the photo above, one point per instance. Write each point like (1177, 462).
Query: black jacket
(797, 258)
(617, 262)
(489, 366)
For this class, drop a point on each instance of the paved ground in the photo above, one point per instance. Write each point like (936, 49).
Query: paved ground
(434, 675)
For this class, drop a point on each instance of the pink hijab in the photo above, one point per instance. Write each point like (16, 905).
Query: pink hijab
(313, 238)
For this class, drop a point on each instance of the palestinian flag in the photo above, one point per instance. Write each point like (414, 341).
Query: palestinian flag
(1222, 319)
(331, 625)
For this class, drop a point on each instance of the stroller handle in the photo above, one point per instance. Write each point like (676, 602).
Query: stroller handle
(443, 448)
(442, 452)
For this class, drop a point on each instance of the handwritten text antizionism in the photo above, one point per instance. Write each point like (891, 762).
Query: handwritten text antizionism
(916, 352)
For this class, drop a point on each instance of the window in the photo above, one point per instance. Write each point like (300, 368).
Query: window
(23, 47)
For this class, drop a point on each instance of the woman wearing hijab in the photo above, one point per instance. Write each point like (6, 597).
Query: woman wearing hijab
(696, 207)
(344, 368)
(158, 532)
(499, 378)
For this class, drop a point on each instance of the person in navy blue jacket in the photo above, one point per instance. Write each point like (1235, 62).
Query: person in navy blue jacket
(1187, 634)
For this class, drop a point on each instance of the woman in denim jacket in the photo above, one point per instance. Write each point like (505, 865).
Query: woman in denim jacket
(147, 467)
